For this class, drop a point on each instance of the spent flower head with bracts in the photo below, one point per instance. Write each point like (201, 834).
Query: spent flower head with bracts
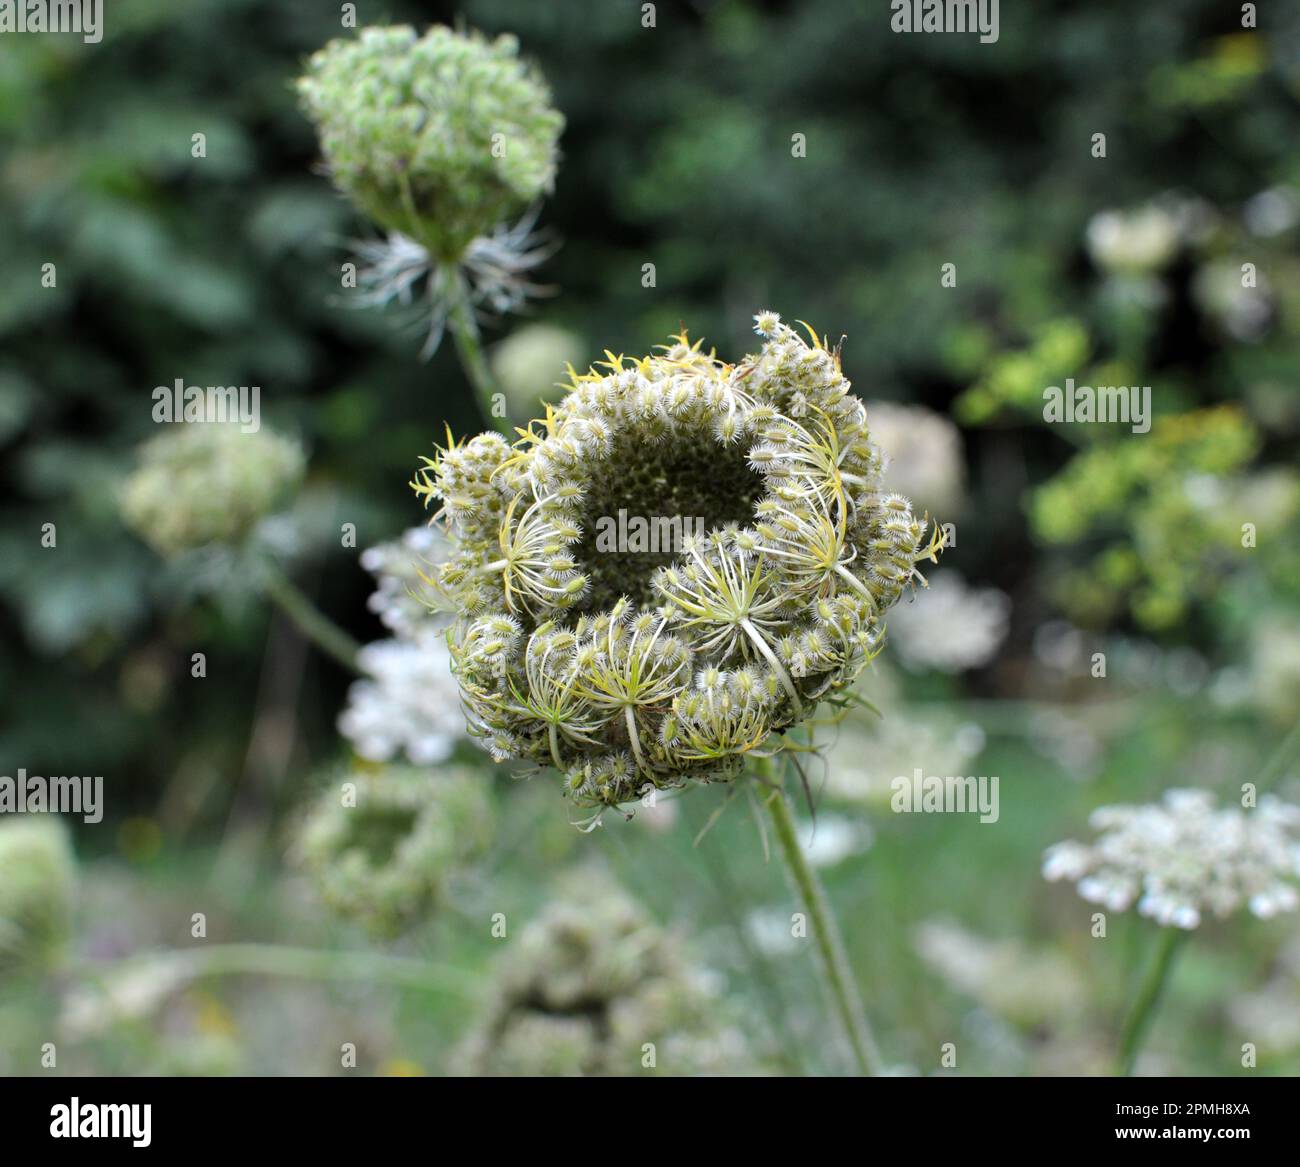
(625, 668)
(439, 137)
(208, 483)
(1183, 857)
(381, 845)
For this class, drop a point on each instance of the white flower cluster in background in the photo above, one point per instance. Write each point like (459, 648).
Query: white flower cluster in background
(923, 456)
(1183, 857)
(399, 569)
(408, 703)
(957, 628)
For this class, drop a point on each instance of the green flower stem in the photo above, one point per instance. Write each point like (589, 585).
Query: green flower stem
(837, 976)
(460, 320)
(310, 620)
(1148, 999)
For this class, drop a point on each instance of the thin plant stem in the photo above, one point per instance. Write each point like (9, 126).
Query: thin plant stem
(310, 620)
(460, 321)
(833, 963)
(1148, 999)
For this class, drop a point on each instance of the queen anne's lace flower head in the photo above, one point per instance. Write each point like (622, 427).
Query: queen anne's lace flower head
(1183, 857)
(1140, 240)
(624, 666)
(203, 483)
(438, 137)
(382, 852)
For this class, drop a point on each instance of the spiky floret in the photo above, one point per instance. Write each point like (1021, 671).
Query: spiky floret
(630, 667)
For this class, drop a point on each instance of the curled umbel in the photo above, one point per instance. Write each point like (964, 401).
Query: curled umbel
(625, 668)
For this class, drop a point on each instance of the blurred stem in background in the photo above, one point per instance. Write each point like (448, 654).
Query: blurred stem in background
(171, 969)
(310, 620)
(1148, 999)
(464, 331)
(732, 902)
(833, 963)
(1280, 758)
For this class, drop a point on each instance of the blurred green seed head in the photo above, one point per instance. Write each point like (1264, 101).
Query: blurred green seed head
(385, 860)
(439, 137)
(37, 880)
(625, 667)
(589, 984)
(208, 483)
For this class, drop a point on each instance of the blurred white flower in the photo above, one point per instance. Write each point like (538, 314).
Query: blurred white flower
(863, 761)
(1182, 857)
(1243, 313)
(832, 838)
(1144, 239)
(1004, 976)
(923, 455)
(950, 627)
(772, 931)
(1272, 211)
(409, 704)
(399, 567)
